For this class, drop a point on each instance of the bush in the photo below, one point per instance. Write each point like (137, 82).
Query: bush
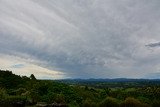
(73, 104)
(2, 94)
(132, 102)
(109, 102)
(14, 101)
(156, 103)
(88, 103)
(15, 98)
(144, 99)
(60, 98)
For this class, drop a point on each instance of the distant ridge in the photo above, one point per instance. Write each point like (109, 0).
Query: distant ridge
(108, 79)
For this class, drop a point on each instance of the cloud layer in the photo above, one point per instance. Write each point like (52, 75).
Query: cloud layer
(82, 39)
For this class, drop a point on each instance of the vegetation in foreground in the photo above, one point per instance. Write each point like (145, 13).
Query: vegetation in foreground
(17, 91)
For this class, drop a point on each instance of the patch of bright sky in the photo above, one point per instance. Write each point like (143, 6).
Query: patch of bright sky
(20, 67)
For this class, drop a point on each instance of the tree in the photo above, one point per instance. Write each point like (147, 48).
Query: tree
(109, 102)
(32, 77)
(2, 93)
(86, 103)
(132, 102)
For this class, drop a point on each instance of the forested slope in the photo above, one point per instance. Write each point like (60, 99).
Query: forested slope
(20, 91)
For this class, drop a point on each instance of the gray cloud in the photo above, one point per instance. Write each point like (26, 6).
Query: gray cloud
(153, 45)
(87, 38)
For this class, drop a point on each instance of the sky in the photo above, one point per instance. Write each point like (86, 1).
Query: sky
(56, 39)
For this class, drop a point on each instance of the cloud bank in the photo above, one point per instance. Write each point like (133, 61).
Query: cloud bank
(81, 39)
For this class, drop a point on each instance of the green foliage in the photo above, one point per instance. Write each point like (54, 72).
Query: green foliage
(105, 92)
(2, 93)
(34, 95)
(32, 77)
(73, 104)
(9, 80)
(132, 102)
(87, 103)
(60, 98)
(15, 98)
(156, 103)
(109, 102)
(144, 99)
(49, 98)
(12, 101)
(23, 89)
(19, 91)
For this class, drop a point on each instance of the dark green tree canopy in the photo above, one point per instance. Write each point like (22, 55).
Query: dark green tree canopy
(32, 77)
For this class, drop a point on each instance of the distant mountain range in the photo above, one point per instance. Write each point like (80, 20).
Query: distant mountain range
(110, 80)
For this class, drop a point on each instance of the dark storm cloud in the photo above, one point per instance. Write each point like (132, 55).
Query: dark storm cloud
(153, 45)
(83, 38)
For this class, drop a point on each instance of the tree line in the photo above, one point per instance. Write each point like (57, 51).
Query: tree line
(24, 91)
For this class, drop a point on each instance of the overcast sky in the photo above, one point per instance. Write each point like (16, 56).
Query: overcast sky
(56, 39)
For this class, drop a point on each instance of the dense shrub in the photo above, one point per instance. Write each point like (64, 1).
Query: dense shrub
(88, 103)
(132, 102)
(13, 101)
(156, 103)
(60, 98)
(2, 93)
(109, 102)
(143, 99)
